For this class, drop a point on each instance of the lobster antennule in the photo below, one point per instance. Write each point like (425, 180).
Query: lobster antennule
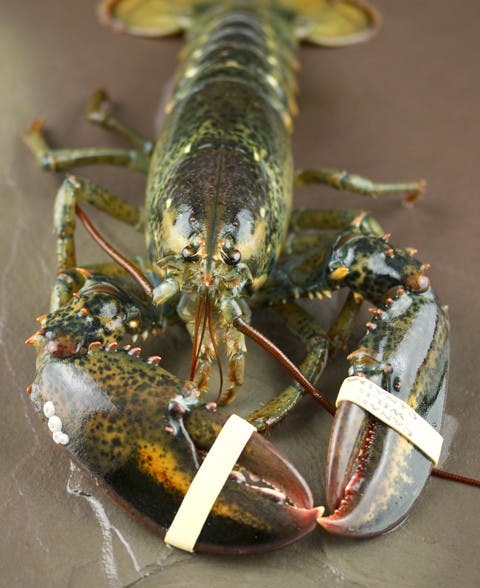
(204, 322)
(199, 328)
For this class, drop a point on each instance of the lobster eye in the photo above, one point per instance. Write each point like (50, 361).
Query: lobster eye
(189, 254)
(231, 257)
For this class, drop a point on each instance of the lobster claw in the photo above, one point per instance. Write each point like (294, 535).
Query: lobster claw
(266, 504)
(142, 433)
(374, 475)
(375, 478)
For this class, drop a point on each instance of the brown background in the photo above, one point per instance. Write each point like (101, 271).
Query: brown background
(403, 106)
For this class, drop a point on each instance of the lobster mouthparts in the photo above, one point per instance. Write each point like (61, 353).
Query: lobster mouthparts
(143, 434)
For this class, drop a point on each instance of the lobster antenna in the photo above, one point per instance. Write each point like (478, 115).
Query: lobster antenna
(455, 477)
(245, 328)
(122, 261)
(195, 344)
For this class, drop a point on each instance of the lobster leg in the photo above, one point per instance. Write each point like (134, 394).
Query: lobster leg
(61, 159)
(343, 180)
(102, 308)
(374, 475)
(73, 189)
(338, 220)
(143, 432)
(341, 331)
(305, 273)
(98, 112)
(320, 346)
(300, 242)
(301, 325)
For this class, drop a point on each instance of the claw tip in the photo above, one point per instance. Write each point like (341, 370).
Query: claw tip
(320, 512)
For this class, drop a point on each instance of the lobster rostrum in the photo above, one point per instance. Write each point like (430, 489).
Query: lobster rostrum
(222, 239)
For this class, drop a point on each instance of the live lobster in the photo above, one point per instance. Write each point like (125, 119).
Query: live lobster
(222, 239)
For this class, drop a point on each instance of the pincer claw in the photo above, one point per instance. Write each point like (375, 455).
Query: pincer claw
(143, 434)
(374, 474)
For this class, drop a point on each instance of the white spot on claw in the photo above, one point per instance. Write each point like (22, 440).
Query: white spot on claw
(54, 424)
(49, 409)
(61, 438)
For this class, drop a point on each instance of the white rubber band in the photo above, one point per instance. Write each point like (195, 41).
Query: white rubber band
(208, 483)
(394, 412)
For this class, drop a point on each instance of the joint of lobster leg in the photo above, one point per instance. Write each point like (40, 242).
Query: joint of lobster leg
(417, 281)
(98, 107)
(234, 308)
(66, 286)
(164, 291)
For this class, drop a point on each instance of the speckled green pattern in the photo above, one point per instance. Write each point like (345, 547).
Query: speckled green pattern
(105, 310)
(222, 166)
(374, 475)
(374, 267)
(217, 217)
(143, 432)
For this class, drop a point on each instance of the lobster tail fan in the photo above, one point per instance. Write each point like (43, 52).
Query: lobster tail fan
(334, 23)
(147, 18)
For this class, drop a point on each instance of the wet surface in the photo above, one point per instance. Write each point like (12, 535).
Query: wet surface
(401, 107)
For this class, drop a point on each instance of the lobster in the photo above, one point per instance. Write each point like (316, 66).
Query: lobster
(222, 239)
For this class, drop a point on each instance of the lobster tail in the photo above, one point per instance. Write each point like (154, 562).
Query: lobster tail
(327, 23)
